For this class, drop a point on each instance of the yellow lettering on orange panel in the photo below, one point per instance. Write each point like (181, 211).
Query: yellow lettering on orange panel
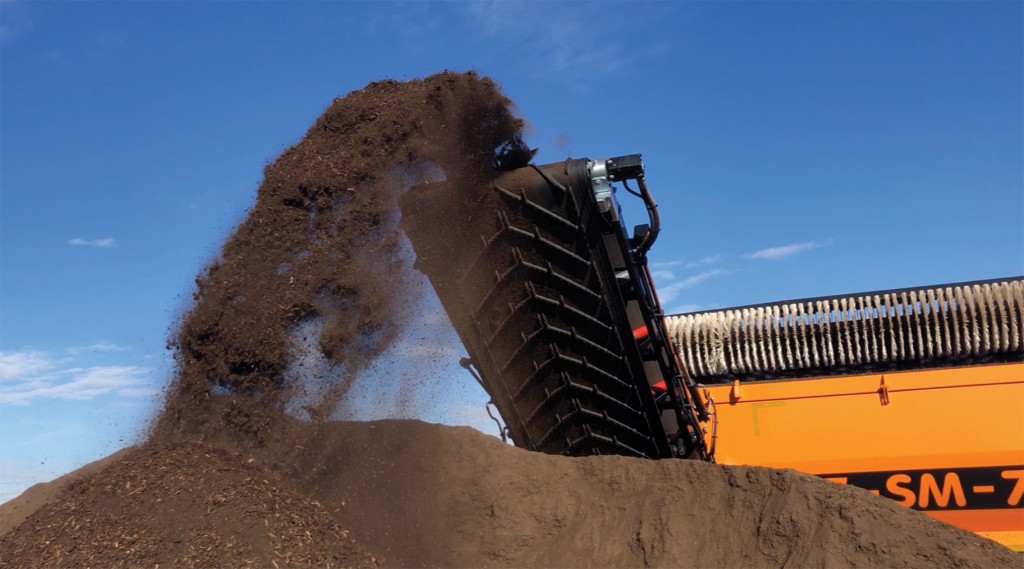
(1018, 487)
(951, 487)
(892, 485)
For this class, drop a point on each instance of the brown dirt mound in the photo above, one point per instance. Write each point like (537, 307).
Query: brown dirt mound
(420, 495)
(14, 511)
(180, 505)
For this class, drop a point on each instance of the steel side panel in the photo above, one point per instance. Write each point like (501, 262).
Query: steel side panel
(940, 419)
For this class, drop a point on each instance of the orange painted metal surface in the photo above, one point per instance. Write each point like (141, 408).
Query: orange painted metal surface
(949, 441)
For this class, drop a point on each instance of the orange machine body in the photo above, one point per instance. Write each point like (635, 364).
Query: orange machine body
(948, 441)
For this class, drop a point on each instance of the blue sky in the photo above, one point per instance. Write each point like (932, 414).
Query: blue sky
(795, 149)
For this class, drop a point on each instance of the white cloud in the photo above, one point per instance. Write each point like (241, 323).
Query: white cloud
(559, 41)
(98, 348)
(14, 365)
(706, 260)
(79, 384)
(773, 253)
(669, 293)
(664, 265)
(31, 375)
(662, 274)
(104, 243)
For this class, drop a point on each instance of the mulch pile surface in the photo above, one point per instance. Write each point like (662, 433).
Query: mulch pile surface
(181, 505)
(420, 495)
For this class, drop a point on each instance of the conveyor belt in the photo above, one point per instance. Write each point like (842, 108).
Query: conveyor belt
(520, 267)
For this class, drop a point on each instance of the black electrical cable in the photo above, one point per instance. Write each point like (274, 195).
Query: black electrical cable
(625, 184)
(652, 214)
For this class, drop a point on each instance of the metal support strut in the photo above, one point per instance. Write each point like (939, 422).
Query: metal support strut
(502, 429)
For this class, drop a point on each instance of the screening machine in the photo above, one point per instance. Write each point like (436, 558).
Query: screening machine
(914, 394)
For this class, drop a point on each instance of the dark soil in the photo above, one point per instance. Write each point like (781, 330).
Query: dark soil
(181, 505)
(318, 270)
(15, 511)
(420, 495)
